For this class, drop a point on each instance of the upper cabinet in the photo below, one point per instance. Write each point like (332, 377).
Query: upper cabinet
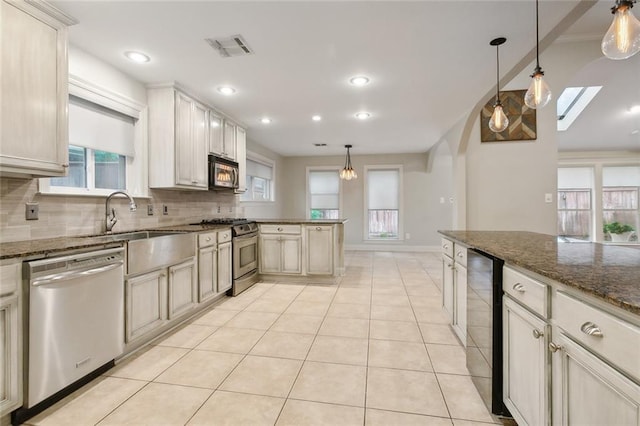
(241, 158)
(178, 140)
(216, 134)
(34, 80)
(229, 140)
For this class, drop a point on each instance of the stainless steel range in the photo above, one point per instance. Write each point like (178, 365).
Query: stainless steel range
(245, 251)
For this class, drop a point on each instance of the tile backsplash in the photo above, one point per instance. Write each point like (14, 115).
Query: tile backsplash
(81, 215)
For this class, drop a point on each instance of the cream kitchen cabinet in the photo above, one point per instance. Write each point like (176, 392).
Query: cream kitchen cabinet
(241, 158)
(183, 288)
(178, 140)
(146, 303)
(454, 286)
(10, 336)
(225, 272)
(319, 242)
(280, 249)
(216, 134)
(229, 138)
(214, 264)
(34, 79)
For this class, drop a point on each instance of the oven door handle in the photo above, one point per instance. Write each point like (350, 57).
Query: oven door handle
(246, 237)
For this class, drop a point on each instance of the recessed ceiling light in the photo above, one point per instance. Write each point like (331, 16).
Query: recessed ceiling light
(316, 118)
(363, 115)
(226, 90)
(635, 132)
(359, 80)
(634, 109)
(265, 120)
(138, 57)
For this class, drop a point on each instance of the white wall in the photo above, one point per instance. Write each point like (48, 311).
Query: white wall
(422, 212)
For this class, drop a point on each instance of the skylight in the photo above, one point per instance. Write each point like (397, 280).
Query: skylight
(572, 102)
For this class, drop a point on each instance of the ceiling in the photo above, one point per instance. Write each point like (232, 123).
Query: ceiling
(429, 61)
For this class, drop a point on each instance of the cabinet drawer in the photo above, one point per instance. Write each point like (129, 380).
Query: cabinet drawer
(10, 276)
(447, 247)
(281, 229)
(601, 332)
(207, 239)
(527, 291)
(460, 254)
(224, 236)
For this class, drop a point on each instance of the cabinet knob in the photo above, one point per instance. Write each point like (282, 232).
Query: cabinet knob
(318, 228)
(66, 165)
(208, 238)
(460, 254)
(279, 229)
(519, 287)
(554, 348)
(591, 329)
(446, 246)
(537, 334)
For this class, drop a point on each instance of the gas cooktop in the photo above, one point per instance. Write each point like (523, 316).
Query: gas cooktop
(223, 221)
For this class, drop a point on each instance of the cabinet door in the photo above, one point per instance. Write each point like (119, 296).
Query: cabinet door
(587, 391)
(225, 272)
(200, 161)
(319, 250)
(184, 148)
(460, 302)
(216, 134)
(34, 87)
(11, 360)
(146, 303)
(291, 246)
(241, 158)
(270, 254)
(207, 273)
(183, 292)
(447, 285)
(526, 367)
(229, 140)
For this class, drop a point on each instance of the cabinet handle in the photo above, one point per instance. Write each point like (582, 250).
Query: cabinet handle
(194, 181)
(519, 287)
(446, 246)
(318, 228)
(449, 265)
(279, 229)
(537, 333)
(66, 165)
(554, 348)
(460, 254)
(591, 329)
(208, 238)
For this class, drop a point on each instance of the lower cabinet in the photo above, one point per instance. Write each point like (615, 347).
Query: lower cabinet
(207, 273)
(587, 391)
(526, 367)
(281, 254)
(146, 303)
(448, 276)
(225, 274)
(459, 322)
(183, 288)
(319, 250)
(454, 287)
(10, 336)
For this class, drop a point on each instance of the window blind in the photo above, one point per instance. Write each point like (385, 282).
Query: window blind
(96, 127)
(324, 188)
(257, 169)
(383, 189)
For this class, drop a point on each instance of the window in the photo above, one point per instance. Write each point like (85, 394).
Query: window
(571, 102)
(575, 203)
(620, 187)
(323, 193)
(260, 181)
(383, 189)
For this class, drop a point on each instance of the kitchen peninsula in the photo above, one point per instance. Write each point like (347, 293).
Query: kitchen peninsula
(568, 323)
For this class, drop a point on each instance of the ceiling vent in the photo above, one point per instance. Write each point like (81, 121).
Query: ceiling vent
(230, 46)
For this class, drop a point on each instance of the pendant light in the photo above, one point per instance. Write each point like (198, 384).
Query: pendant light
(499, 120)
(348, 173)
(538, 95)
(622, 41)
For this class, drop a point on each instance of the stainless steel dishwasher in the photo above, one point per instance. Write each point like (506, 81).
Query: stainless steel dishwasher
(75, 319)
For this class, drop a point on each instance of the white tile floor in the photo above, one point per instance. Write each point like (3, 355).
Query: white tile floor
(370, 351)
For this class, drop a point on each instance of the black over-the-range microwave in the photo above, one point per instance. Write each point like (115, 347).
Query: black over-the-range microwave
(223, 173)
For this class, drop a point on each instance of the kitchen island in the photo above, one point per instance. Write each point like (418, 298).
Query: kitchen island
(567, 323)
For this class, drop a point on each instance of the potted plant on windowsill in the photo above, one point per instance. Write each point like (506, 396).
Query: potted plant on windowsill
(618, 232)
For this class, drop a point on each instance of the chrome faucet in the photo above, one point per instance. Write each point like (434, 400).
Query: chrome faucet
(111, 214)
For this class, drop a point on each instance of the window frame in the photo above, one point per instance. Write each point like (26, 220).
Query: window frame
(272, 189)
(137, 183)
(310, 169)
(365, 231)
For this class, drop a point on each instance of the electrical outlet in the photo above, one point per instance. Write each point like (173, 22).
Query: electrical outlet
(548, 198)
(150, 209)
(407, 236)
(165, 209)
(31, 211)
(218, 209)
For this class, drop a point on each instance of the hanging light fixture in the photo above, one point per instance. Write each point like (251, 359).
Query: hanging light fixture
(348, 173)
(499, 120)
(538, 95)
(622, 41)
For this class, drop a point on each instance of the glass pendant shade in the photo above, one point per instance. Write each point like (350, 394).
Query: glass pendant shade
(499, 121)
(622, 41)
(347, 173)
(538, 95)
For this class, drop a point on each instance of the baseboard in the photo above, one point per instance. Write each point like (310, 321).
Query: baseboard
(392, 248)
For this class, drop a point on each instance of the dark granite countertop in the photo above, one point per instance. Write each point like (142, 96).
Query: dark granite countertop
(303, 221)
(609, 272)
